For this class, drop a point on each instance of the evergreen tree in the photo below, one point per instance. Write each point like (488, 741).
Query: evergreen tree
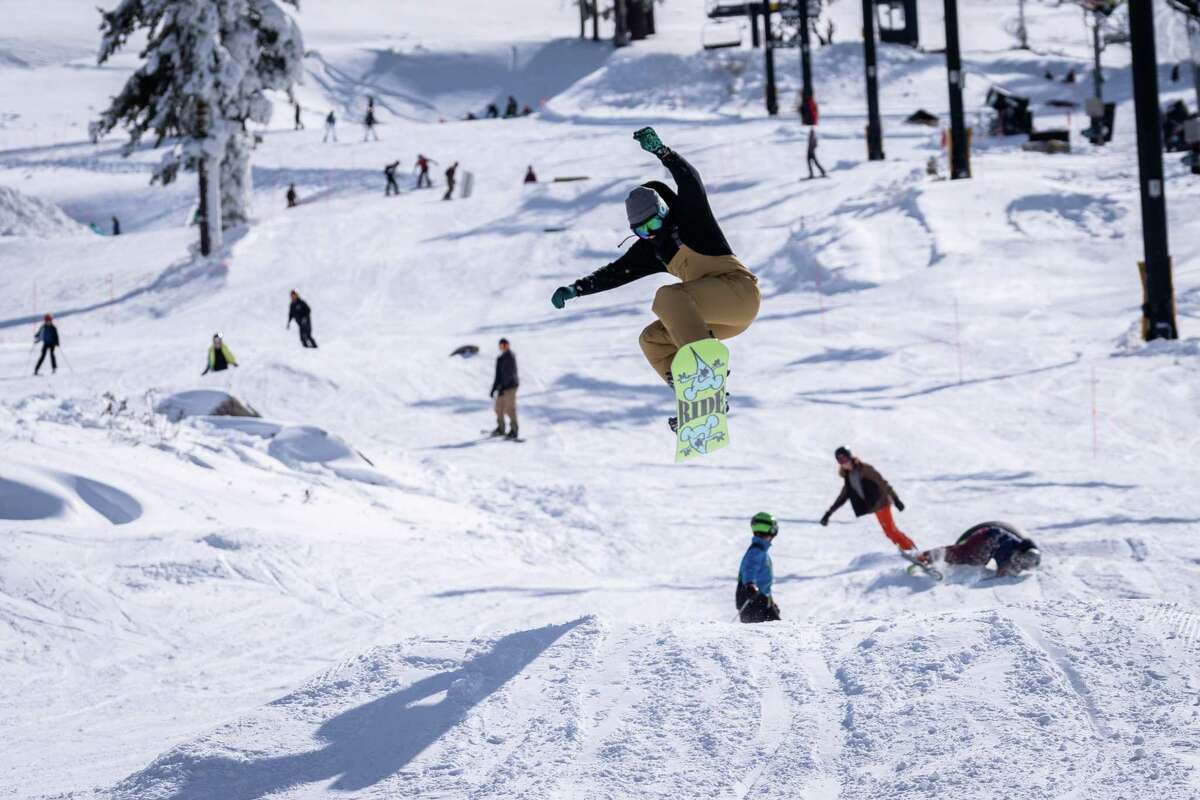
(207, 67)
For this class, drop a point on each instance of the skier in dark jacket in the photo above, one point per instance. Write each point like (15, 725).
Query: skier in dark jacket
(293, 199)
(330, 128)
(812, 154)
(756, 573)
(116, 227)
(868, 493)
(1007, 545)
(510, 109)
(389, 172)
(504, 389)
(450, 173)
(220, 357)
(677, 233)
(369, 124)
(492, 111)
(48, 336)
(300, 312)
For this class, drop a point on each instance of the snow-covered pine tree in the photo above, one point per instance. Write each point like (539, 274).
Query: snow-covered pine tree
(208, 66)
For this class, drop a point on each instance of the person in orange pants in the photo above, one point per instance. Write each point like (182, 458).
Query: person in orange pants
(868, 493)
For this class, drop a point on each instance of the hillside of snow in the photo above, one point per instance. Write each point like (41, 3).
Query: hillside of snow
(356, 594)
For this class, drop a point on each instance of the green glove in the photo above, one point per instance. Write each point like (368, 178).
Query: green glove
(562, 294)
(650, 142)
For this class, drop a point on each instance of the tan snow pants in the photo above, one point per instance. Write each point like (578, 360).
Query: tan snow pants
(506, 406)
(718, 297)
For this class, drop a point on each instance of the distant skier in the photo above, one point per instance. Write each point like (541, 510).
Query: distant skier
(422, 167)
(530, 175)
(450, 173)
(868, 493)
(299, 125)
(220, 357)
(1011, 549)
(677, 233)
(292, 198)
(812, 153)
(369, 125)
(756, 573)
(504, 389)
(300, 312)
(389, 172)
(510, 109)
(330, 128)
(116, 226)
(48, 336)
(492, 111)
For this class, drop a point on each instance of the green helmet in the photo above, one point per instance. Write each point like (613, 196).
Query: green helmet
(764, 524)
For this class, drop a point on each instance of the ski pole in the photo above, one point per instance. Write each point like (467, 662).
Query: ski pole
(65, 359)
(740, 610)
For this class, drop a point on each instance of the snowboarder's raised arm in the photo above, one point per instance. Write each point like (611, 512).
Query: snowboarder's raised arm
(637, 262)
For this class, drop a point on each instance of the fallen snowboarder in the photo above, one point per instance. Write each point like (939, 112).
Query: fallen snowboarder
(1012, 550)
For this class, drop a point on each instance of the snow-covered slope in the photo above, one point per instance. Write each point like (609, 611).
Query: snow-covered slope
(356, 595)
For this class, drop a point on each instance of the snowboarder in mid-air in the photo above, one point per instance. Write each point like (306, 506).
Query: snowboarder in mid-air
(869, 493)
(756, 574)
(717, 297)
(220, 357)
(300, 312)
(1007, 545)
(48, 336)
(504, 389)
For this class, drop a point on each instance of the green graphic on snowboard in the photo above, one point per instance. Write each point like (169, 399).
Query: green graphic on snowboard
(699, 371)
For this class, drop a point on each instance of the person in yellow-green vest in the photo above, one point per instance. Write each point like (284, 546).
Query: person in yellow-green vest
(219, 356)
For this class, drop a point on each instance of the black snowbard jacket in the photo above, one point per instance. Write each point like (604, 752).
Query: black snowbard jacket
(299, 311)
(690, 222)
(47, 335)
(506, 372)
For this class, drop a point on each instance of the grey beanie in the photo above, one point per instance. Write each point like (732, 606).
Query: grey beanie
(642, 204)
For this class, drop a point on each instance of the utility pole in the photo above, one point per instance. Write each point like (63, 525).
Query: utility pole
(874, 128)
(960, 148)
(769, 50)
(752, 13)
(621, 34)
(582, 19)
(1022, 31)
(1096, 107)
(595, 20)
(1158, 309)
(806, 93)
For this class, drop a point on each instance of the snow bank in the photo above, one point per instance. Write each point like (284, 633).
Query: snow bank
(203, 403)
(24, 215)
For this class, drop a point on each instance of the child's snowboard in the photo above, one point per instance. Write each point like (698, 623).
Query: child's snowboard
(699, 371)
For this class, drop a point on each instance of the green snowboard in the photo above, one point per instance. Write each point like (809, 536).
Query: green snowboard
(699, 371)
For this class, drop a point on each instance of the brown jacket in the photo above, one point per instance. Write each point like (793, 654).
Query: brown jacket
(878, 492)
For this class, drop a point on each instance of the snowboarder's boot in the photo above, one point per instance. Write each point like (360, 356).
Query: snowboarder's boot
(499, 430)
(512, 434)
(673, 424)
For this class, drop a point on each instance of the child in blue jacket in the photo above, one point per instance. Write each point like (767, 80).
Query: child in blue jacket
(755, 576)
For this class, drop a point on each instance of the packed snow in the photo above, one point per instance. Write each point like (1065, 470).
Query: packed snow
(351, 591)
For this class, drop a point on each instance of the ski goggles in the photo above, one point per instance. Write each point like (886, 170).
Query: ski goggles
(649, 227)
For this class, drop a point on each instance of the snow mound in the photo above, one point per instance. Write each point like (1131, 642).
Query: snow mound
(306, 443)
(25, 215)
(806, 710)
(203, 403)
